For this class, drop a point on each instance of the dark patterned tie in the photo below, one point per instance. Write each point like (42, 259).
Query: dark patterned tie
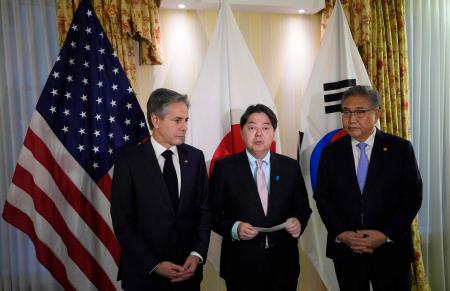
(170, 176)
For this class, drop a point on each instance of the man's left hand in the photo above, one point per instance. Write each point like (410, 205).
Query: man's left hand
(372, 238)
(293, 227)
(190, 265)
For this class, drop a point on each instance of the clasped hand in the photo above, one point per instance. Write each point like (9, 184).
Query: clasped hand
(363, 241)
(177, 273)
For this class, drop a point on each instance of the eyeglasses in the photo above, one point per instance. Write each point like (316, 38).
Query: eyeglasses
(360, 113)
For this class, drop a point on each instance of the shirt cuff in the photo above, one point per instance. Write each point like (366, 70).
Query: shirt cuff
(234, 231)
(193, 253)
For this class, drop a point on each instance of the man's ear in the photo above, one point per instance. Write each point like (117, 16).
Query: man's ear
(378, 113)
(154, 119)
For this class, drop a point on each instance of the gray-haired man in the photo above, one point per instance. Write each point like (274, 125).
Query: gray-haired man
(368, 192)
(159, 203)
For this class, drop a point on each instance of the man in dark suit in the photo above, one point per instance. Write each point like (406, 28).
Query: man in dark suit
(368, 192)
(159, 203)
(257, 188)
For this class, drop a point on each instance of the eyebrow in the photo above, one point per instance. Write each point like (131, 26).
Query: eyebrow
(359, 107)
(252, 122)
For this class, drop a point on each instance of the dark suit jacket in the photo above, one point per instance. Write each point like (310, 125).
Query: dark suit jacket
(390, 200)
(149, 230)
(234, 197)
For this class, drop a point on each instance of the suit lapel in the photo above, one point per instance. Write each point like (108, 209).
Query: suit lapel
(274, 178)
(185, 164)
(156, 178)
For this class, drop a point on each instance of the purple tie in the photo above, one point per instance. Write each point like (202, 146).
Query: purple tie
(262, 185)
(363, 165)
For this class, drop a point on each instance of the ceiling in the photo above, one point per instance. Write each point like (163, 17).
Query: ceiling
(272, 6)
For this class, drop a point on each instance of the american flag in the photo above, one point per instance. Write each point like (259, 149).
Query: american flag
(60, 192)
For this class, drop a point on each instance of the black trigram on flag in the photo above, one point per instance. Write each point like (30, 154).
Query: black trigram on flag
(335, 96)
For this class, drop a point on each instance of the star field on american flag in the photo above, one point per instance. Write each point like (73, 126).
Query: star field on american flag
(88, 101)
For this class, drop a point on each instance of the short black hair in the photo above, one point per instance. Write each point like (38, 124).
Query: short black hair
(360, 90)
(160, 99)
(259, 108)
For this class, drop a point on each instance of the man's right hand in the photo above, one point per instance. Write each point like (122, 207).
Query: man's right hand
(246, 231)
(169, 270)
(353, 240)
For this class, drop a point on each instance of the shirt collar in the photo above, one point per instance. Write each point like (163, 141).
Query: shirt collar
(252, 159)
(369, 141)
(159, 149)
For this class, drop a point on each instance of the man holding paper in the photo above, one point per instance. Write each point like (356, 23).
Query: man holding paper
(251, 192)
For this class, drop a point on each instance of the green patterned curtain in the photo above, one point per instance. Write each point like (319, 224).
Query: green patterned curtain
(378, 28)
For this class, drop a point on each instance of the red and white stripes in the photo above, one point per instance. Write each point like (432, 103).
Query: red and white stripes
(65, 213)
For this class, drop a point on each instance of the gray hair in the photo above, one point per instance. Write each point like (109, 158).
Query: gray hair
(160, 99)
(367, 91)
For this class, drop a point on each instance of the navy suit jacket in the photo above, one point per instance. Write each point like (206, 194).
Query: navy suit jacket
(390, 200)
(149, 230)
(234, 197)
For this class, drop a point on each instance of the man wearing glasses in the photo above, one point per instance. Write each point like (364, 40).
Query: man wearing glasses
(368, 192)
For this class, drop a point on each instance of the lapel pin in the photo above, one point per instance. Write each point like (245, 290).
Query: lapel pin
(185, 161)
(385, 149)
(277, 178)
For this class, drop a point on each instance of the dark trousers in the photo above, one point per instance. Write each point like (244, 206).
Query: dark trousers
(267, 281)
(356, 272)
(157, 283)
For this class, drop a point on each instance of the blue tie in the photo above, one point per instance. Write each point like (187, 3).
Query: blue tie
(363, 165)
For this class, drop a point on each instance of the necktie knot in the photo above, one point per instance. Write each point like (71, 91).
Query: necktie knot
(259, 164)
(362, 146)
(167, 154)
